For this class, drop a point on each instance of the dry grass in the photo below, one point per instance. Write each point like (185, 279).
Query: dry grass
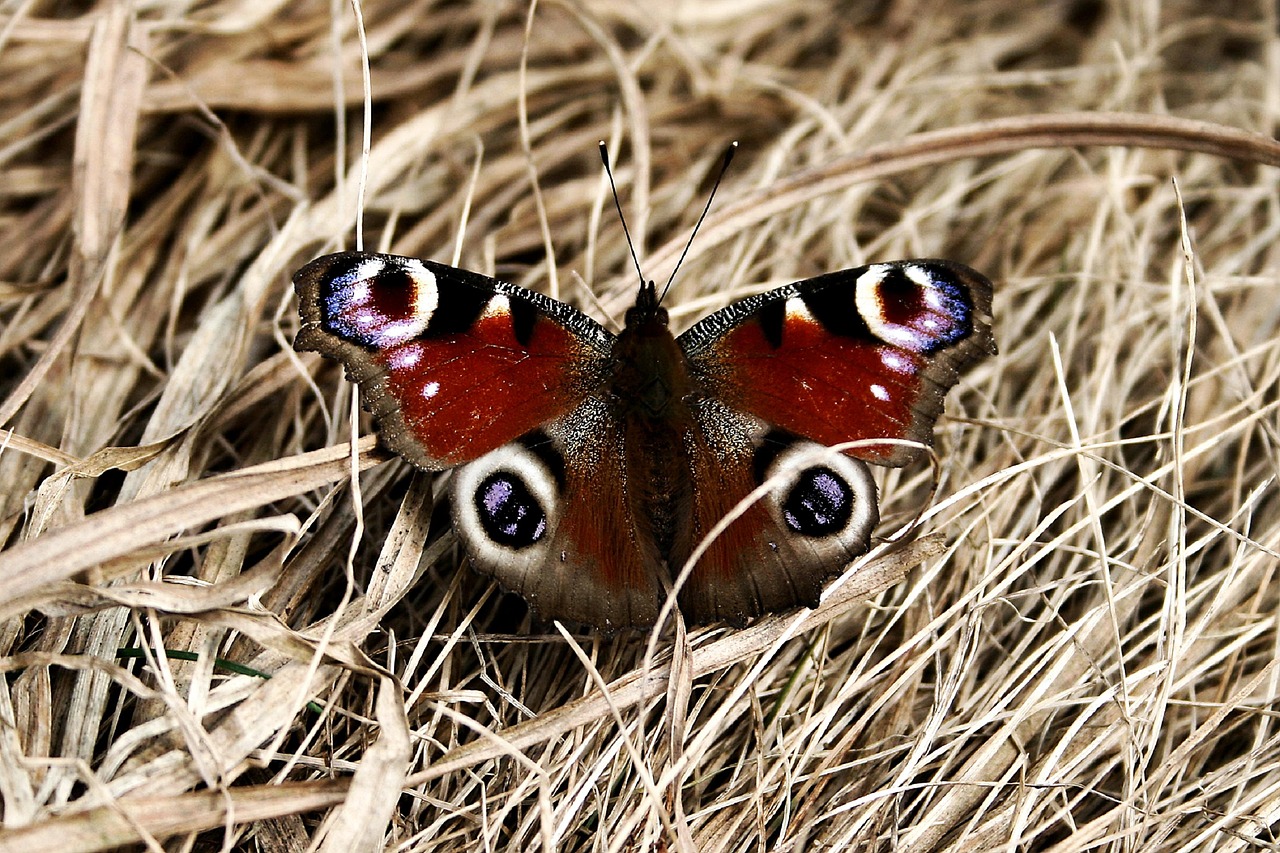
(1089, 663)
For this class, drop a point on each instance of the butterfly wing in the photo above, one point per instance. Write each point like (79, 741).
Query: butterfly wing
(453, 364)
(464, 370)
(814, 511)
(860, 354)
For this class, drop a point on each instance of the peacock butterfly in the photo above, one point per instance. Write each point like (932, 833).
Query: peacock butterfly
(591, 465)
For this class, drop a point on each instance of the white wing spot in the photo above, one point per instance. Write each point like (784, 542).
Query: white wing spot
(405, 358)
(880, 393)
(920, 275)
(366, 270)
(430, 390)
(499, 306)
(797, 310)
(426, 296)
(866, 298)
(893, 361)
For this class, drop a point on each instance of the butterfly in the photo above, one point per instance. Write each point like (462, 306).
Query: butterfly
(589, 466)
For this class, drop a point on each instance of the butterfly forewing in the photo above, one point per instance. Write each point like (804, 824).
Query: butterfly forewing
(453, 364)
(853, 355)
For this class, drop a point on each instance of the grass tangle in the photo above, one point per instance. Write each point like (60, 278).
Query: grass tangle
(225, 625)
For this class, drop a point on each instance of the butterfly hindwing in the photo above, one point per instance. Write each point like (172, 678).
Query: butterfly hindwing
(452, 363)
(815, 512)
(553, 518)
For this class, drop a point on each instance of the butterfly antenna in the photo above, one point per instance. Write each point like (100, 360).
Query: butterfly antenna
(604, 158)
(724, 167)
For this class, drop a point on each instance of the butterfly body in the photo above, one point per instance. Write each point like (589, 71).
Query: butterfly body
(591, 466)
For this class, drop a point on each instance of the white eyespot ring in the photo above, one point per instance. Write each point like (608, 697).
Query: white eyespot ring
(524, 467)
(869, 300)
(426, 298)
(832, 495)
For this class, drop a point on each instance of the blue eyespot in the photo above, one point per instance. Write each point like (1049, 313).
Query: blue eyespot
(819, 504)
(508, 511)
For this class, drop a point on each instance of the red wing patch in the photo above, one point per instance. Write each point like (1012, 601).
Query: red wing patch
(462, 395)
(824, 387)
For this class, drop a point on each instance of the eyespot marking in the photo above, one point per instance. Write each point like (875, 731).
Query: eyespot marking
(820, 503)
(506, 506)
(913, 306)
(508, 511)
(825, 497)
(379, 305)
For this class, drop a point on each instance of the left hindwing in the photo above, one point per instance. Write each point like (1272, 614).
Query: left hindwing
(551, 516)
(864, 353)
(452, 363)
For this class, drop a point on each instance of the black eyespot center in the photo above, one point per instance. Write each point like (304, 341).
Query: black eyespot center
(819, 503)
(509, 513)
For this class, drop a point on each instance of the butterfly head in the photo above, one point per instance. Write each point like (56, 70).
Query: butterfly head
(648, 311)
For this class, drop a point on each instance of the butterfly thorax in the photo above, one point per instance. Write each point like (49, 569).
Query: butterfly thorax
(651, 374)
